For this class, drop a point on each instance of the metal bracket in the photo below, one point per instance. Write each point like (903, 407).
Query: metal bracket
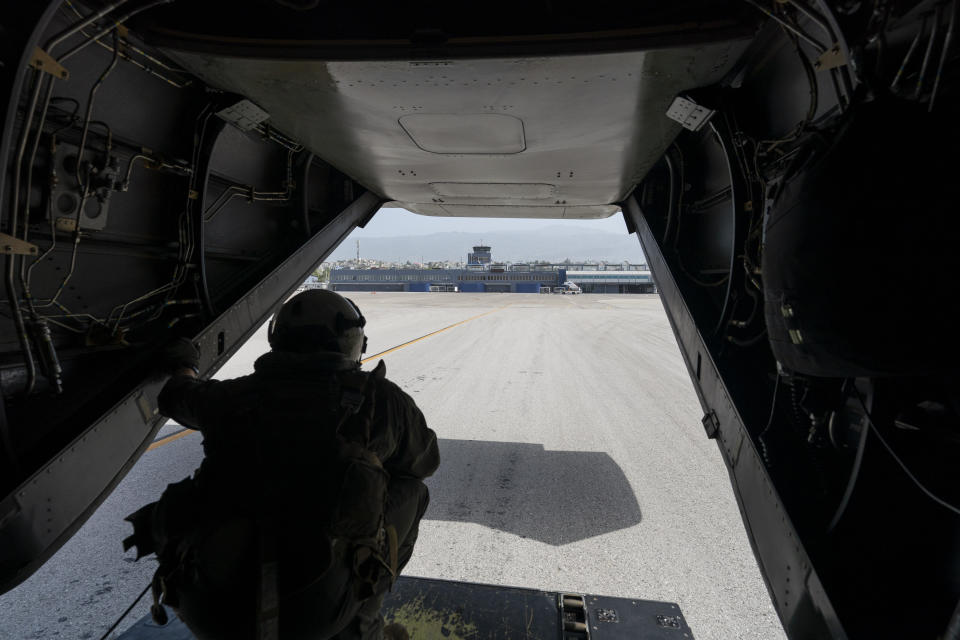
(711, 424)
(830, 59)
(244, 115)
(689, 114)
(148, 410)
(15, 246)
(43, 61)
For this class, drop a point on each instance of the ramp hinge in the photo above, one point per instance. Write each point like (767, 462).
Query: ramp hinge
(43, 61)
(573, 617)
(15, 246)
(711, 424)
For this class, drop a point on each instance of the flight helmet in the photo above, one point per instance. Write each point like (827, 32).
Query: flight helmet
(319, 320)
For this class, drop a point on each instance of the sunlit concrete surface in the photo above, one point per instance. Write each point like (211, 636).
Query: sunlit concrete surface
(573, 459)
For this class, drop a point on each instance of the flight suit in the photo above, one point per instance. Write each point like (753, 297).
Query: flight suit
(267, 445)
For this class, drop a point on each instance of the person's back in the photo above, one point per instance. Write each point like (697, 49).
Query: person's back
(291, 502)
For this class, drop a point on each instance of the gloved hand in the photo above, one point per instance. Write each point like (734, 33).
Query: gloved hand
(181, 354)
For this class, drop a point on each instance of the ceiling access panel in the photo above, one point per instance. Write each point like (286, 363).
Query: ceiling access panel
(582, 128)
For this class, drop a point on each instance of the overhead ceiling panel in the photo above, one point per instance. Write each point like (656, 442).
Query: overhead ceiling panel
(588, 126)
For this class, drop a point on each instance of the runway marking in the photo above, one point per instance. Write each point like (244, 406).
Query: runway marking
(432, 333)
(179, 434)
(170, 438)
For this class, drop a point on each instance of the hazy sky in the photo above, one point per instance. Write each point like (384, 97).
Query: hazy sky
(400, 222)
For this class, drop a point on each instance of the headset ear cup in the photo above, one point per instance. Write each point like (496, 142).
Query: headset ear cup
(361, 321)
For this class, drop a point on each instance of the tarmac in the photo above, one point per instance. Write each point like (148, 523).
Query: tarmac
(573, 458)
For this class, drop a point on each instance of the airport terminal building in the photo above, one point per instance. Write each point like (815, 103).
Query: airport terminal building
(481, 274)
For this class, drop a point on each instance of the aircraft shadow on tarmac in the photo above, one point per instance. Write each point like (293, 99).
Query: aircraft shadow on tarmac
(556, 497)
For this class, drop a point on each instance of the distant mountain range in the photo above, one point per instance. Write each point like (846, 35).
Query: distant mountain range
(550, 243)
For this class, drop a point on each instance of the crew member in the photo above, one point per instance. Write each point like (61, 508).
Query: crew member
(307, 503)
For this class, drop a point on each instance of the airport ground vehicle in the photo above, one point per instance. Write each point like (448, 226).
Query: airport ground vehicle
(567, 287)
(772, 158)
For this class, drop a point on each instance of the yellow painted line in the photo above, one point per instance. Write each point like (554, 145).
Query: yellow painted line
(186, 432)
(169, 439)
(432, 333)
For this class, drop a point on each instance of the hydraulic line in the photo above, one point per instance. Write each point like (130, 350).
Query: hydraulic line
(815, 17)
(126, 178)
(740, 192)
(53, 42)
(855, 470)
(926, 56)
(851, 480)
(893, 454)
(184, 230)
(252, 195)
(150, 162)
(947, 41)
(747, 342)
(84, 186)
(202, 178)
(115, 23)
(676, 238)
(28, 120)
(953, 627)
(670, 196)
(799, 32)
(906, 59)
(304, 195)
(83, 24)
(86, 120)
(127, 46)
(11, 260)
(773, 409)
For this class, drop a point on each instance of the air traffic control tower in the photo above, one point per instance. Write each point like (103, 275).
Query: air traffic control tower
(479, 255)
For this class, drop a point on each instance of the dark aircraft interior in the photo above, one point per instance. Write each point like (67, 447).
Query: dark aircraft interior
(176, 169)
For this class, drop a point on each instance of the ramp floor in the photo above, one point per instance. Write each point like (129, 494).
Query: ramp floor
(445, 610)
